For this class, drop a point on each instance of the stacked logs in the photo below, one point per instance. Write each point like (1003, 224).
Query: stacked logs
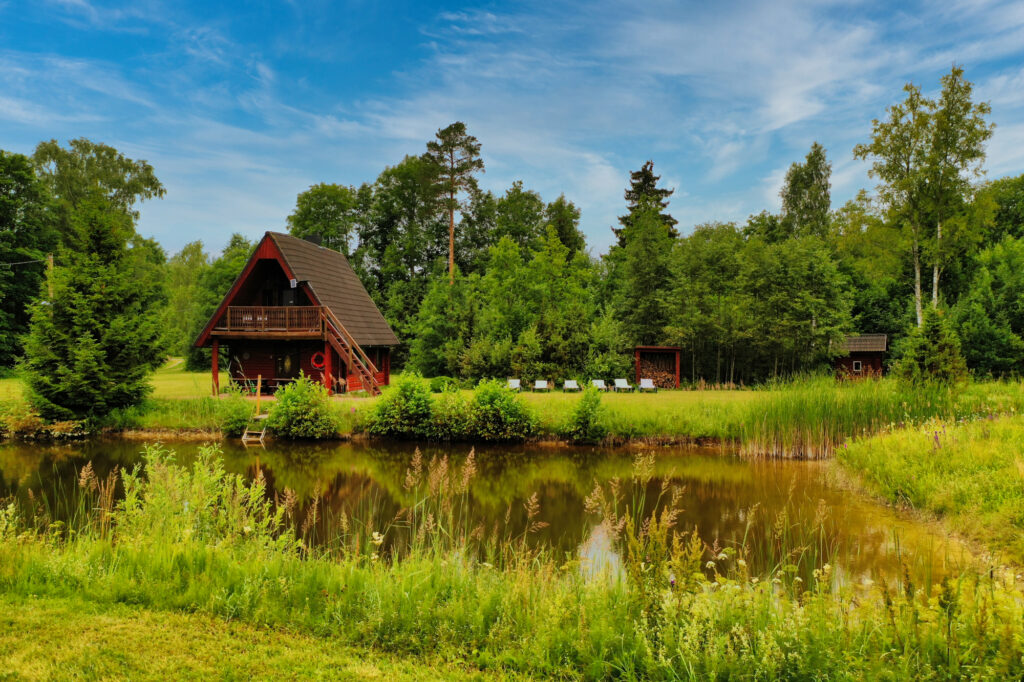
(662, 378)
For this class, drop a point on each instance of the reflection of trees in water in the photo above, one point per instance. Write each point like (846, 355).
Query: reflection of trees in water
(727, 499)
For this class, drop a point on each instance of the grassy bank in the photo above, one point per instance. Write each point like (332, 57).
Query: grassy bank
(970, 474)
(75, 639)
(651, 604)
(806, 417)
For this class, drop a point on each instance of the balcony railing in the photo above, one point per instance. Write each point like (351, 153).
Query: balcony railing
(303, 319)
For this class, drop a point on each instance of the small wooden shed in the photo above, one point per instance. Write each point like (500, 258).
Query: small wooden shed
(862, 355)
(659, 363)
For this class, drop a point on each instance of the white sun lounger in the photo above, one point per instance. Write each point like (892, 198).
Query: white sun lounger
(622, 385)
(598, 384)
(570, 385)
(541, 385)
(648, 385)
(514, 384)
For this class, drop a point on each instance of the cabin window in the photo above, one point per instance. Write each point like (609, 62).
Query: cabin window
(857, 366)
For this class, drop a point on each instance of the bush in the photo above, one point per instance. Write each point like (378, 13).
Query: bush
(404, 411)
(234, 413)
(585, 425)
(441, 384)
(498, 414)
(303, 410)
(451, 417)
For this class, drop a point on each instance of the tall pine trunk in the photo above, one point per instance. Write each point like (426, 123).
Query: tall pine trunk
(451, 243)
(935, 266)
(917, 283)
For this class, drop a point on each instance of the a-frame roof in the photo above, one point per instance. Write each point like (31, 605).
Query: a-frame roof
(331, 281)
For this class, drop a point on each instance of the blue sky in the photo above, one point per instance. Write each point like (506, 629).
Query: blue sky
(240, 110)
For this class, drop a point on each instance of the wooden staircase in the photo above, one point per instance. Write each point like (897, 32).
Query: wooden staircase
(346, 347)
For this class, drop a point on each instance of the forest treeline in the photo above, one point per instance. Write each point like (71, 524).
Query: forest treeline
(478, 284)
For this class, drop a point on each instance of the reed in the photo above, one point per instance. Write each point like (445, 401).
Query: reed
(649, 602)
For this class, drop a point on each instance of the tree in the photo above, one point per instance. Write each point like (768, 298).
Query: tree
(924, 154)
(991, 346)
(563, 215)
(642, 194)
(1007, 195)
(520, 217)
(75, 173)
(328, 212)
(806, 195)
(443, 327)
(27, 235)
(92, 346)
(456, 156)
(186, 313)
(957, 150)
(645, 277)
(213, 284)
(932, 353)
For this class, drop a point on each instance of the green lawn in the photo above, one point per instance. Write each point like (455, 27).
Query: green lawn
(72, 639)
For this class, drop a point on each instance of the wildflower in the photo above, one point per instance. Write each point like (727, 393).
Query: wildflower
(755, 580)
(378, 539)
(709, 565)
(723, 556)
(247, 529)
(741, 563)
(798, 579)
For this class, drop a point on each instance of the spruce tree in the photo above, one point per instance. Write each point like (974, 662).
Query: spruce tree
(645, 278)
(932, 353)
(642, 195)
(92, 346)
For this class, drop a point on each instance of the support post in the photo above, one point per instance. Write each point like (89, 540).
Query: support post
(216, 369)
(328, 367)
(636, 352)
(677, 368)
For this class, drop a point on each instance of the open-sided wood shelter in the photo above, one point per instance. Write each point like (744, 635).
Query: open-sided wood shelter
(862, 355)
(298, 307)
(658, 363)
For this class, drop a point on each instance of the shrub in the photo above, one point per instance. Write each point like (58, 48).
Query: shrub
(585, 424)
(498, 414)
(404, 411)
(303, 410)
(451, 417)
(441, 384)
(234, 413)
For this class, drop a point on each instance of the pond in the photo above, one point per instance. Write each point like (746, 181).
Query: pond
(762, 508)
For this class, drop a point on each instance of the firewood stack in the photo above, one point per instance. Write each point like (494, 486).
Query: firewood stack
(662, 378)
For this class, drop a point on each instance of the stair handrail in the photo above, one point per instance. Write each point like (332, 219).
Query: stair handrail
(332, 320)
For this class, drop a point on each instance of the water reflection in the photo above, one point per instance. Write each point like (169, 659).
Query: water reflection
(766, 506)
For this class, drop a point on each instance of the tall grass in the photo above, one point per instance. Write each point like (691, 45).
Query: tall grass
(653, 602)
(970, 473)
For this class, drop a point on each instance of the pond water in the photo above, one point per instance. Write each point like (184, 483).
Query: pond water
(761, 505)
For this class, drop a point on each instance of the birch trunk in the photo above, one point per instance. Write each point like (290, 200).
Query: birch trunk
(917, 283)
(935, 266)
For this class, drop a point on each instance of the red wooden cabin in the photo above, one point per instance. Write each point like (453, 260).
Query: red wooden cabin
(862, 355)
(298, 307)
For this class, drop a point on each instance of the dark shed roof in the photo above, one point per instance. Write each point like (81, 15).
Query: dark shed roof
(865, 343)
(336, 285)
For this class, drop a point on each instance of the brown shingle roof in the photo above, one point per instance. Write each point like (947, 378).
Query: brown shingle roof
(336, 285)
(865, 343)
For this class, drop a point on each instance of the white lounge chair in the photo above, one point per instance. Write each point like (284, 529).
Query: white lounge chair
(570, 385)
(598, 384)
(622, 385)
(515, 384)
(648, 385)
(541, 385)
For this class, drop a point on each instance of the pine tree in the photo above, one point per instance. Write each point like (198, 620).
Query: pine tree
(92, 346)
(932, 353)
(645, 278)
(642, 194)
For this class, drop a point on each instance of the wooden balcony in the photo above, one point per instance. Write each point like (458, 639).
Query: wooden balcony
(271, 321)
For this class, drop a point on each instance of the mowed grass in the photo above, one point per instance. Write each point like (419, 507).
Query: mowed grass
(969, 474)
(73, 639)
